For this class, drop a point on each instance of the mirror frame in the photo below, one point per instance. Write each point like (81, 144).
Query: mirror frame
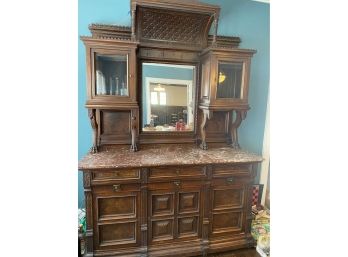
(149, 137)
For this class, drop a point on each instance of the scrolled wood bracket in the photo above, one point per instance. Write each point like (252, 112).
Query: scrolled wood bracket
(207, 114)
(134, 147)
(240, 116)
(94, 124)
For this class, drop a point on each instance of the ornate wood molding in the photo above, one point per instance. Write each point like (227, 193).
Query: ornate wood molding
(224, 41)
(105, 31)
(114, 32)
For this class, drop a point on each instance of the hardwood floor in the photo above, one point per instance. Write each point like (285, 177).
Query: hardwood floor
(238, 253)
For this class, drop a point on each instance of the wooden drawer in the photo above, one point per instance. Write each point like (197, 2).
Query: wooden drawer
(232, 180)
(228, 170)
(110, 176)
(176, 172)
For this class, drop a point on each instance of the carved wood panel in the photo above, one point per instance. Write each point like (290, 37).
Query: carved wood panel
(175, 212)
(188, 202)
(226, 222)
(172, 27)
(162, 229)
(163, 54)
(163, 204)
(117, 233)
(117, 206)
(188, 226)
(225, 198)
(115, 122)
(228, 200)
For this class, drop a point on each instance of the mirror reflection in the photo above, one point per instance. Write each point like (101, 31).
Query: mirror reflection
(168, 97)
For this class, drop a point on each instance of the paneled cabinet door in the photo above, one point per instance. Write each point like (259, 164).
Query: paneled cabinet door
(228, 204)
(174, 211)
(116, 216)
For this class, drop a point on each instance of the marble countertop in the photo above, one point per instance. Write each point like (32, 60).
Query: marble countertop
(159, 155)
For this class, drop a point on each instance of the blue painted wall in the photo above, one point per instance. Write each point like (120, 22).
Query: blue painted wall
(244, 18)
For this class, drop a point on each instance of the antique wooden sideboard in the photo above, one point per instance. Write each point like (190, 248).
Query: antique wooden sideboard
(165, 175)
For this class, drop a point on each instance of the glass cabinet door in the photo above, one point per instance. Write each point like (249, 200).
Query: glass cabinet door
(229, 80)
(111, 75)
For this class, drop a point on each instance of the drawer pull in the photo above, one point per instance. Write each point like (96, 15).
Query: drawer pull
(229, 180)
(177, 183)
(117, 188)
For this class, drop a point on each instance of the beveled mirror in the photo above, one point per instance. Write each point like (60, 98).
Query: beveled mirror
(168, 93)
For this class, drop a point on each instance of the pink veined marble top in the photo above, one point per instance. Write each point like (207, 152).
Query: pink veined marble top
(160, 155)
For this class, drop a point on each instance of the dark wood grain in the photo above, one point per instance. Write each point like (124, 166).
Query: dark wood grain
(173, 199)
(237, 253)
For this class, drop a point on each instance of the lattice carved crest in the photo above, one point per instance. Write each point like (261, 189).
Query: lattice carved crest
(178, 27)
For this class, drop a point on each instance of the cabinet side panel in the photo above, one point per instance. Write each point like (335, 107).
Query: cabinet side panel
(115, 127)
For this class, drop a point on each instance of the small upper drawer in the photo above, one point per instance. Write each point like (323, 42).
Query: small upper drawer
(227, 170)
(177, 172)
(115, 175)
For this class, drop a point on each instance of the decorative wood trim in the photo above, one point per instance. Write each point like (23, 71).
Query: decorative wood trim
(224, 41)
(106, 31)
(124, 33)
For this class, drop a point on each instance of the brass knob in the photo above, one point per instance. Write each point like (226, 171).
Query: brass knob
(229, 180)
(177, 183)
(117, 187)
